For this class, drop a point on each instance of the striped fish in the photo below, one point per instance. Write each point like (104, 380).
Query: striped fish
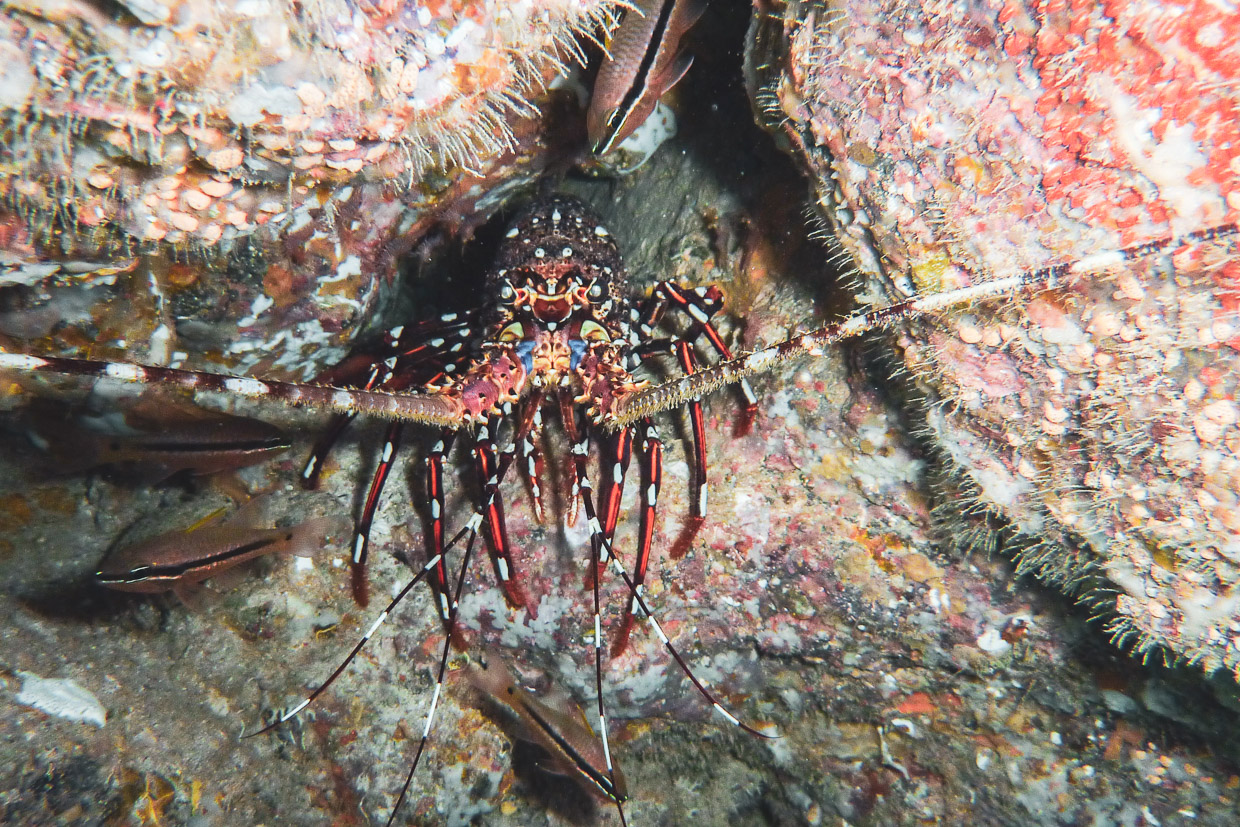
(643, 62)
(575, 750)
(179, 560)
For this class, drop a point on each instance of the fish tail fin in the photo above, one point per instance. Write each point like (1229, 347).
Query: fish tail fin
(310, 536)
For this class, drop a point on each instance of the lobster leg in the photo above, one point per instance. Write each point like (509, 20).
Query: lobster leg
(702, 304)
(598, 547)
(568, 419)
(361, 535)
(602, 552)
(613, 465)
(435, 496)
(434, 569)
(410, 356)
(533, 466)
(528, 420)
(697, 473)
(651, 480)
(323, 446)
(485, 461)
(313, 468)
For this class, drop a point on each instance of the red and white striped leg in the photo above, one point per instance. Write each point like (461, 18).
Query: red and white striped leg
(609, 556)
(651, 480)
(697, 469)
(435, 535)
(533, 467)
(361, 535)
(617, 451)
(486, 463)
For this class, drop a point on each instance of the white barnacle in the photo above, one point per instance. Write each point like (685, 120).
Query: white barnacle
(762, 359)
(1099, 261)
(539, 252)
(601, 231)
(20, 361)
(512, 233)
(567, 252)
(128, 373)
(246, 387)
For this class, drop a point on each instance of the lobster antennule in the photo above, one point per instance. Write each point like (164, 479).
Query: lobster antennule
(629, 406)
(427, 409)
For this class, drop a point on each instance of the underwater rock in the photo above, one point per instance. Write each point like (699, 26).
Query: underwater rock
(957, 142)
(292, 148)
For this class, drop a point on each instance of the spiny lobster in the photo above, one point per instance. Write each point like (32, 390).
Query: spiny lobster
(562, 334)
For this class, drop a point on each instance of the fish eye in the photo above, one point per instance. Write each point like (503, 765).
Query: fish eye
(596, 291)
(506, 293)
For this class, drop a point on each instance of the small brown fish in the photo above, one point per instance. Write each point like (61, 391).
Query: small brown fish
(160, 433)
(179, 436)
(574, 748)
(179, 560)
(643, 62)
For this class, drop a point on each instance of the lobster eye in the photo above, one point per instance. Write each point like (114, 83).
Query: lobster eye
(512, 333)
(594, 332)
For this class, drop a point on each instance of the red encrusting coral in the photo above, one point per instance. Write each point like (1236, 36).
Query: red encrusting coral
(952, 143)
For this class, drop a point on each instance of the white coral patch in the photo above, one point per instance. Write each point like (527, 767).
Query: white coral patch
(61, 697)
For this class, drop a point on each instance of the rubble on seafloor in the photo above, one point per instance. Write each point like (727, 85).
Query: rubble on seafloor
(910, 683)
(950, 143)
(252, 170)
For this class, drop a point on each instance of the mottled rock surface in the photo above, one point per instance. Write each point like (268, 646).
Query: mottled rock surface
(953, 143)
(815, 599)
(236, 180)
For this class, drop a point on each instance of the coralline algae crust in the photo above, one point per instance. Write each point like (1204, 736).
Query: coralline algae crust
(286, 150)
(951, 143)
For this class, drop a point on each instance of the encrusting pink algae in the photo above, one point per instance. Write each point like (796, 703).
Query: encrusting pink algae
(951, 143)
